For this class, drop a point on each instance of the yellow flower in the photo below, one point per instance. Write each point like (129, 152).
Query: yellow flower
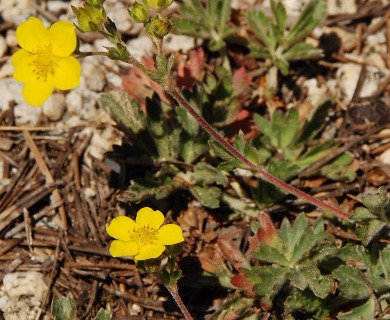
(145, 238)
(45, 61)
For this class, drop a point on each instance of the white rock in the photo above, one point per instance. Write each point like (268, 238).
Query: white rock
(26, 114)
(19, 284)
(11, 90)
(175, 43)
(7, 70)
(3, 46)
(347, 77)
(317, 94)
(94, 76)
(341, 7)
(385, 157)
(56, 6)
(10, 38)
(121, 17)
(140, 47)
(54, 107)
(74, 100)
(16, 11)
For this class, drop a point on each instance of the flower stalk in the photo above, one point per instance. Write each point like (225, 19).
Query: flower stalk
(174, 291)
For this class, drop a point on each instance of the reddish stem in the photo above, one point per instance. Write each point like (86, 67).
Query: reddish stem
(263, 174)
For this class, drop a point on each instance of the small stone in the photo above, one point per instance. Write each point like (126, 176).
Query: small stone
(10, 38)
(57, 7)
(140, 47)
(54, 107)
(3, 46)
(341, 7)
(94, 76)
(176, 43)
(74, 101)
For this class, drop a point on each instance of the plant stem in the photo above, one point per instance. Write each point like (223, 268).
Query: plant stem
(173, 290)
(263, 174)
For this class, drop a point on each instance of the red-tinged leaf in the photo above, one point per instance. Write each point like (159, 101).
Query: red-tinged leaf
(139, 86)
(192, 70)
(231, 253)
(241, 281)
(211, 260)
(267, 232)
(241, 81)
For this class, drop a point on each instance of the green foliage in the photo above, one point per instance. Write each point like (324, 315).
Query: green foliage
(209, 22)
(65, 309)
(278, 47)
(374, 218)
(293, 261)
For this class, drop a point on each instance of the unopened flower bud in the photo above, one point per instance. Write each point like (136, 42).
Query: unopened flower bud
(89, 17)
(159, 27)
(158, 4)
(139, 12)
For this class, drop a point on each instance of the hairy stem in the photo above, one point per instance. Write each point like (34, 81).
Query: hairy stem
(263, 174)
(173, 290)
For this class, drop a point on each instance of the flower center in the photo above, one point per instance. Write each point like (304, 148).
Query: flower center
(144, 235)
(43, 62)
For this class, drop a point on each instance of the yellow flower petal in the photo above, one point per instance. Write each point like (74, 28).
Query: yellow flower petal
(22, 63)
(148, 217)
(63, 38)
(121, 228)
(36, 91)
(149, 251)
(67, 73)
(120, 248)
(170, 234)
(32, 35)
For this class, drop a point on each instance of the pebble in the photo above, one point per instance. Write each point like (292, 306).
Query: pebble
(55, 106)
(341, 7)
(3, 46)
(56, 7)
(10, 38)
(93, 75)
(140, 47)
(178, 43)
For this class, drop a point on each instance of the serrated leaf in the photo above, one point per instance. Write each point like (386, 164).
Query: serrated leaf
(279, 13)
(207, 196)
(267, 280)
(220, 151)
(289, 129)
(362, 214)
(269, 254)
(103, 315)
(206, 174)
(351, 285)
(376, 202)
(364, 312)
(283, 169)
(64, 309)
(302, 51)
(320, 285)
(306, 301)
(315, 152)
(261, 26)
(265, 127)
(159, 188)
(374, 227)
(310, 17)
(125, 111)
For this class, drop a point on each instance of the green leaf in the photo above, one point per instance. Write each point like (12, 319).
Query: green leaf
(289, 129)
(352, 286)
(261, 26)
(364, 312)
(282, 65)
(146, 188)
(103, 315)
(207, 196)
(259, 52)
(269, 254)
(125, 111)
(308, 302)
(280, 16)
(267, 280)
(377, 202)
(302, 51)
(311, 17)
(316, 123)
(206, 174)
(64, 309)
(220, 151)
(265, 127)
(314, 153)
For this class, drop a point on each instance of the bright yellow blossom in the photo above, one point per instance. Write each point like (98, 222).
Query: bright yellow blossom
(145, 238)
(45, 61)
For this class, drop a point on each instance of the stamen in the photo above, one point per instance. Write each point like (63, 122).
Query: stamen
(44, 63)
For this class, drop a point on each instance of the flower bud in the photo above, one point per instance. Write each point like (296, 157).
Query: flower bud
(158, 4)
(139, 12)
(159, 27)
(89, 17)
(96, 2)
